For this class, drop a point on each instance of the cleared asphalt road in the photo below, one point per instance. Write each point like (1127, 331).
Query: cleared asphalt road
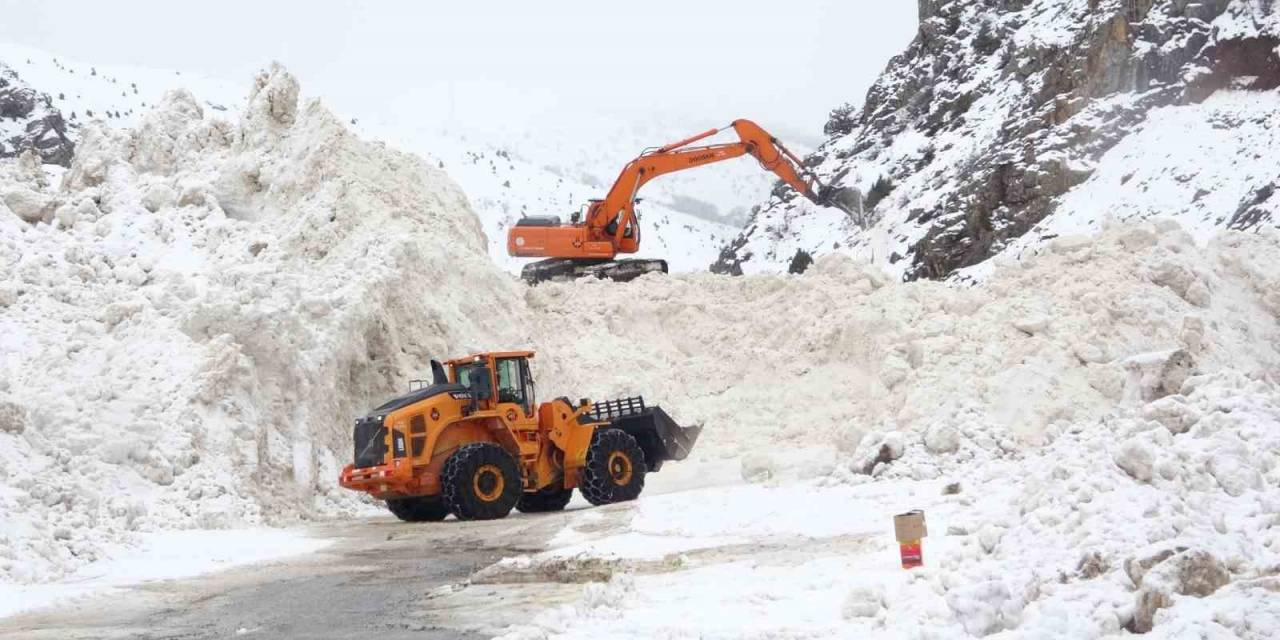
(373, 581)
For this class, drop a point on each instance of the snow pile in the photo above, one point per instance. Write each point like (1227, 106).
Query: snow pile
(1159, 517)
(1092, 433)
(839, 353)
(190, 320)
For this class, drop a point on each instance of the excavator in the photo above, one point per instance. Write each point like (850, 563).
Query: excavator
(588, 246)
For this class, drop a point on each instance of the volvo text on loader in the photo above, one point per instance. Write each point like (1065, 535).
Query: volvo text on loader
(475, 443)
(588, 246)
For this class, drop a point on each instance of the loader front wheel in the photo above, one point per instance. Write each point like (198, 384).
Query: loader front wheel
(421, 509)
(549, 499)
(615, 468)
(481, 482)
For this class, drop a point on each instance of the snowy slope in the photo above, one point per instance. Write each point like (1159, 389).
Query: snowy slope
(1207, 165)
(991, 118)
(118, 95)
(507, 173)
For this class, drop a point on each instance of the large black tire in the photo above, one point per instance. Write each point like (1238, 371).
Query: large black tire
(481, 482)
(549, 499)
(615, 468)
(424, 509)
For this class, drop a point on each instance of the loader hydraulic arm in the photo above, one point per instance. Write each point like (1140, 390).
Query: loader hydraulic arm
(615, 217)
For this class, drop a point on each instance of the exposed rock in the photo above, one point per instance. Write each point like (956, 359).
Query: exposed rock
(878, 449)
(1092, 565)
(1137, 568)
(1192, 573)
(30, 122)
(997, 109)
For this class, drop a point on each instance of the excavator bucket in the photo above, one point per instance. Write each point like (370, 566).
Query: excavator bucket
(658, 435)
(842, 198)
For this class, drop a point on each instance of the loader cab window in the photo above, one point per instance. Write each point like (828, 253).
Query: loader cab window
(514, 384)
(466, 374)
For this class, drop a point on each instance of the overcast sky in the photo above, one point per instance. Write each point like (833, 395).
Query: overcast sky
(783, 62)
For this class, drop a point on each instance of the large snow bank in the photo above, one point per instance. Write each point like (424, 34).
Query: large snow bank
(772, 364)
(1159, 517)
(204, 307)
(1092, 432)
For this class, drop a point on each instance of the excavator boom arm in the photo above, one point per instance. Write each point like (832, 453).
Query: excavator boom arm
(615, 215)
(590, 247)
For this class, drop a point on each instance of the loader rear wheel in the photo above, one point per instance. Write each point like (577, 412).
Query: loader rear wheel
(615, 468)
(481, 482)
(422, 509)
(550, 499)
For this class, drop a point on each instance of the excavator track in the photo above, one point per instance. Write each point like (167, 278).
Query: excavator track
(566, 269)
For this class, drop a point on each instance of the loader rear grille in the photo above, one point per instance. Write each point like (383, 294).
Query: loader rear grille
(371, 443)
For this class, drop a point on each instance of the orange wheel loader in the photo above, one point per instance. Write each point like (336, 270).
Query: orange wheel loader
(475, 443)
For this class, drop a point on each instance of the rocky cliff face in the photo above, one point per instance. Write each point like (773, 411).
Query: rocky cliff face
(29, 121)
(997, 109)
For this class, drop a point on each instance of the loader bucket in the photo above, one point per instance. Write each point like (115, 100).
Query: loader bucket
(659, 436)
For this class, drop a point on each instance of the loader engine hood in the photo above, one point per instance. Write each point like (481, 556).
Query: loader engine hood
(370, 433)
(458, 392)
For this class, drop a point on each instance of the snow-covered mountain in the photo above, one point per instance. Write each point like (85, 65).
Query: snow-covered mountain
(29, 122)
(508, 172)
(46, 99)
(1008, 123)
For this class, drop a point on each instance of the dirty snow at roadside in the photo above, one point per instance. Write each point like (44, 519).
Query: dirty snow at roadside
(168, 555)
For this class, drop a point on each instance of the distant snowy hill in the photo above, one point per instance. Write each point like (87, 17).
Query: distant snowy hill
(56, 97)
(29, 122)
(506, 172)
(1006, 124)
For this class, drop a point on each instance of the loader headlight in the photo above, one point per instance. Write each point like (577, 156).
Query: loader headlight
(519, 241)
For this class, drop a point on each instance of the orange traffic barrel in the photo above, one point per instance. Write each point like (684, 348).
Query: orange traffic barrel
(910, 530)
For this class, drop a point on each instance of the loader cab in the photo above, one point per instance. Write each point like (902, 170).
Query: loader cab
(498, 378)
